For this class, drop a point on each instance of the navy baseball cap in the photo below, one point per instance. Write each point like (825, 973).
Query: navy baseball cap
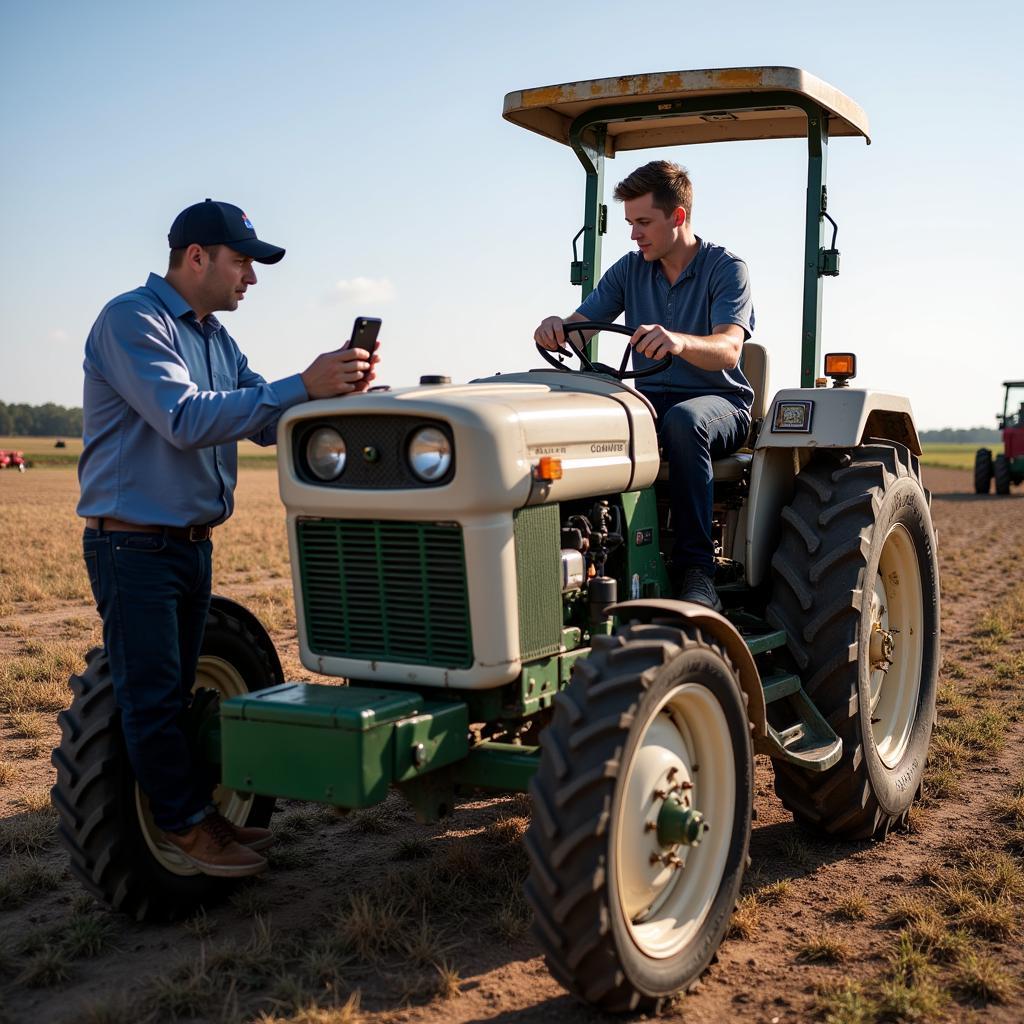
(213, 223)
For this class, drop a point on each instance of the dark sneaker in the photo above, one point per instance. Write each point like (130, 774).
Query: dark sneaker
(211, 846)
(696, 586)
(254, 838)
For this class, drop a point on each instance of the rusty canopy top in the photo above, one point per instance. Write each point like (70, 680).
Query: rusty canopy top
(730, 113)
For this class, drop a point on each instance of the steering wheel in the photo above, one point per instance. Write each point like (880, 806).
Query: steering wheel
(590, 367)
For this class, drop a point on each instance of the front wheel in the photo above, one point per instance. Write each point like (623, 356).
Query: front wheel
(642, 810)
(982, 471)
(105, 823)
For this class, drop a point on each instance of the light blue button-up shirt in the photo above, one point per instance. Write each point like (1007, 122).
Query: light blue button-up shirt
(166, 397)
(713, 289)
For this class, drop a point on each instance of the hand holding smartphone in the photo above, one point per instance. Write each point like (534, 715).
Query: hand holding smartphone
(364, 334)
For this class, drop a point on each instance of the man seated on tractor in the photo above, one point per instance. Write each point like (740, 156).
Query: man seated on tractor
(691, 299)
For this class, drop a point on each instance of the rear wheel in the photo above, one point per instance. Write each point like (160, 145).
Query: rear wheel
(982, 471)
(1001, 471)
(856, 587)
(105, 822)
(641, 822)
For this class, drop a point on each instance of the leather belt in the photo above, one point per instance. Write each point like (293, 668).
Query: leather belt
(195, 534)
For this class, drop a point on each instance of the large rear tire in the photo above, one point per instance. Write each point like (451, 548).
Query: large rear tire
(105, 823)
(982, 471)
(626, 915)
(856, 587)
(1001, 472)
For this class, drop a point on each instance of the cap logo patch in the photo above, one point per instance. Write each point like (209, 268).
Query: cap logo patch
(247, 222)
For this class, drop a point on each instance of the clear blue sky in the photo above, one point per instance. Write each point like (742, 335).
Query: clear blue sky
(367, 139)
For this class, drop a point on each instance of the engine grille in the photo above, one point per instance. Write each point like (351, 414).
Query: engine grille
(386, 591)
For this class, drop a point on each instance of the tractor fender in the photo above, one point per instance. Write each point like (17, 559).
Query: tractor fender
(712, 625)
(838, 418)
(234, 610)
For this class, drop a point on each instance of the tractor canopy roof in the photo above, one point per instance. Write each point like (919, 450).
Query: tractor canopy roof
(1013, 383)
(713, 105)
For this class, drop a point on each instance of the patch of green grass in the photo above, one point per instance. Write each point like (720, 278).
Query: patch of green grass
(377, 820)
(87, 935)
(200, 924)
(371, 925)
(796, 850)
(850, 908)
(9, 772)
(345, 1013)
(981, 976)
(251, 900)
(774, 893)
(28, 725)
(845, 1003)
(187, 990)
(46, 968)
(746, 918)
(413, 848)
(823, 948)
(23, 878)
(29, 832)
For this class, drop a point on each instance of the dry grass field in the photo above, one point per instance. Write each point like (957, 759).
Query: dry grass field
(373, 917)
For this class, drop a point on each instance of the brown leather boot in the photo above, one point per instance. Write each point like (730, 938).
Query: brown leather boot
(251, 836)
(211, 846)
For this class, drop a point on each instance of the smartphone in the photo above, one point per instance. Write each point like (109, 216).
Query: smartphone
(364, 334)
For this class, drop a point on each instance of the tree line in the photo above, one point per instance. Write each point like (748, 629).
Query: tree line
(51, 420)
(47, 420)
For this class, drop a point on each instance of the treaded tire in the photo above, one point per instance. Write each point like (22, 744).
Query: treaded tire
(982, 471)
(1001, 472)
(95, 792)
(847, 508)
(578, 844)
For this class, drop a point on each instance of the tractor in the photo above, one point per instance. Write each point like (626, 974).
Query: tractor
(11, 459)
(1008, 466)
(482, 565)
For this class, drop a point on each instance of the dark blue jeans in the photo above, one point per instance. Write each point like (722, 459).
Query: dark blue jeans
(153, 594)
(692, 433)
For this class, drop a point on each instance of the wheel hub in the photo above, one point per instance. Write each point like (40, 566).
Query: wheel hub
(882, 646)
(678, 824)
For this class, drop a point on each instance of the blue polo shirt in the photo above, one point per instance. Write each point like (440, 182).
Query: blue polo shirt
(166, 397)
(713, 289)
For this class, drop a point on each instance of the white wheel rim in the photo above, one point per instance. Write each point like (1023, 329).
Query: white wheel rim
(213, 674)
(664, 906)
(896, 609)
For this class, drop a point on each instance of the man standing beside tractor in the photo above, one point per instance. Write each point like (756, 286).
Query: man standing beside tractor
(167, 394)
(692, 301)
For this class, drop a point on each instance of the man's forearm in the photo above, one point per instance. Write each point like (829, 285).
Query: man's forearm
(712, 351)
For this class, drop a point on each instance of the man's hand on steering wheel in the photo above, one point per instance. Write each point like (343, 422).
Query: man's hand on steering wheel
(653, 341)
(546, 332)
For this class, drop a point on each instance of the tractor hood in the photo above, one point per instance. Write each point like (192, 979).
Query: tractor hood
(500, 427)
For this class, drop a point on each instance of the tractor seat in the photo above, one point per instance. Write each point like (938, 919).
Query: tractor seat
(754, 364)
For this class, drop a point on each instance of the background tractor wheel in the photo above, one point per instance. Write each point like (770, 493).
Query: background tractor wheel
(982, 471)
(649, 744)
(105, 823)
(856, 587)
(1001, 471)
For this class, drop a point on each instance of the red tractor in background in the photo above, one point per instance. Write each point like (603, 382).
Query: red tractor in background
(1008, 467)
(10, 459)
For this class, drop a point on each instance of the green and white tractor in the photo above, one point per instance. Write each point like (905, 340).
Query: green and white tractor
(482, 563)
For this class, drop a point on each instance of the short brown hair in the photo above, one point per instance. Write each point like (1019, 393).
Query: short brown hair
(668, 184)
(177, 257)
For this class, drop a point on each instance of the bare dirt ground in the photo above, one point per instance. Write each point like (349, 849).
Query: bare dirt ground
(373, 917)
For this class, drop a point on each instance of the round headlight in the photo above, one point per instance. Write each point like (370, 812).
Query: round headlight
(430, 454)
(325, 453)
